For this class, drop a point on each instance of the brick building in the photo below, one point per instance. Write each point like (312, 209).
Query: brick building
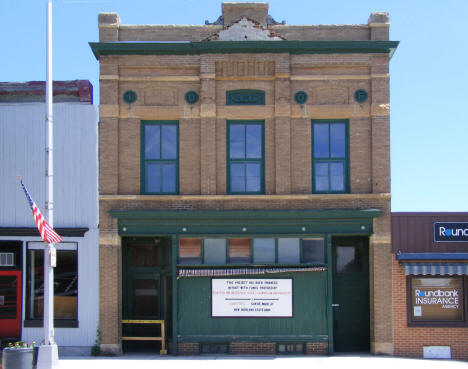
(245, 184)
(430, 285)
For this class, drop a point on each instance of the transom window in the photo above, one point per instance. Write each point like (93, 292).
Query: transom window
(245, 155)
(330, 156)
(160, 153)
(223, 251)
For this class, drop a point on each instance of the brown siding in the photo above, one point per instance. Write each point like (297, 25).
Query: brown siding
(414, 232)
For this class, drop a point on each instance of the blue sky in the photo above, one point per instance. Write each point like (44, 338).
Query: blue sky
(429, 72)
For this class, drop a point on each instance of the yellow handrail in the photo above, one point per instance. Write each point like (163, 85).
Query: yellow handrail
(162, 338)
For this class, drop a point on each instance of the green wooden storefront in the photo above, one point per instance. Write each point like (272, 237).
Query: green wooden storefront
(330, 304)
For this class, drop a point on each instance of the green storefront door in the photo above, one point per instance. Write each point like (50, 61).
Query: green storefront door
(145, 288)
(144, 296)
(351, 294)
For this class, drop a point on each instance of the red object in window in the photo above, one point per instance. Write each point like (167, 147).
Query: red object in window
(10, 303)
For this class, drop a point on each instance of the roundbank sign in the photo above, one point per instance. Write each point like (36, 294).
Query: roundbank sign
(451, 232)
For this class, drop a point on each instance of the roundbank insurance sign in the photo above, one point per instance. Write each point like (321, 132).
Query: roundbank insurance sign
(450, 232)
(437, 299)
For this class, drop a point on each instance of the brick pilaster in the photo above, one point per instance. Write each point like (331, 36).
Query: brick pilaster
(282, 103)
(208, 125)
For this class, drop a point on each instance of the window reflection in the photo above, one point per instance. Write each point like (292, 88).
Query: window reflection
(65, 283)
(160, 158)
(330, 158)
(348, 259)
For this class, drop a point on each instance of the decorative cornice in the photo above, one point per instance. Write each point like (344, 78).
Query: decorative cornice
(228, 47)
(179, 215)
(161, 79)
(336, 77)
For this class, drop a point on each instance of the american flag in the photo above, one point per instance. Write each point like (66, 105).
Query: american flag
(47, 232)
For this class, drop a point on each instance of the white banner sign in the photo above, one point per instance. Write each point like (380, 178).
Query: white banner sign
(251, 297)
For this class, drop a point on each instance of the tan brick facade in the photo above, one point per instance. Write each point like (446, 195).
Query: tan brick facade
(161, 81)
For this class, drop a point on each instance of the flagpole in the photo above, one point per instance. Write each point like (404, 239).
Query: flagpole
(48, 353)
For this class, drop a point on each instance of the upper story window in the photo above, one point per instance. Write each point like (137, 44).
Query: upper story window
(245, 157)
(159, 157)
(330, 158)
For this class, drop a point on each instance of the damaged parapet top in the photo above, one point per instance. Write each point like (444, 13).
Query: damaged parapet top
(242, 22)
(233, 12)
(109, 19)
(379, 17)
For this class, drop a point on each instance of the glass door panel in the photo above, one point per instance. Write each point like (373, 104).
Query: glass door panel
(145, 301)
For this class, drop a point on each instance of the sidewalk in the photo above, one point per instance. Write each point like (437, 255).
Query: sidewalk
(138, 361)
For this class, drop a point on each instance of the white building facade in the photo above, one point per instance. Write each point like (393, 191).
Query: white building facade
(22, 149)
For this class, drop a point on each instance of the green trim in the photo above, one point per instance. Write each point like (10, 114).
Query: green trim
(245, 338)
(245, 97)
(329, 160)
(226, 47)
(129, 96)
(300, 97)
(276, 250)
(230, 161)
(301, 259)
(239, 338)
(257, 222)
(299, 215)
(331, 347)
(361, 96)
(144, 161)
(191, 97)
(175, 307)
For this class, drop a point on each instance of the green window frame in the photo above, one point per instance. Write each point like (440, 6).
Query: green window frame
(330, 156)
(245, 146)
(159, 157)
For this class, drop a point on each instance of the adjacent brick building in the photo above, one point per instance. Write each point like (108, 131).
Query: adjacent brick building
(430, 285)
(245, 184)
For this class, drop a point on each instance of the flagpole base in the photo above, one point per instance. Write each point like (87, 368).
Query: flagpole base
(47, 356)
